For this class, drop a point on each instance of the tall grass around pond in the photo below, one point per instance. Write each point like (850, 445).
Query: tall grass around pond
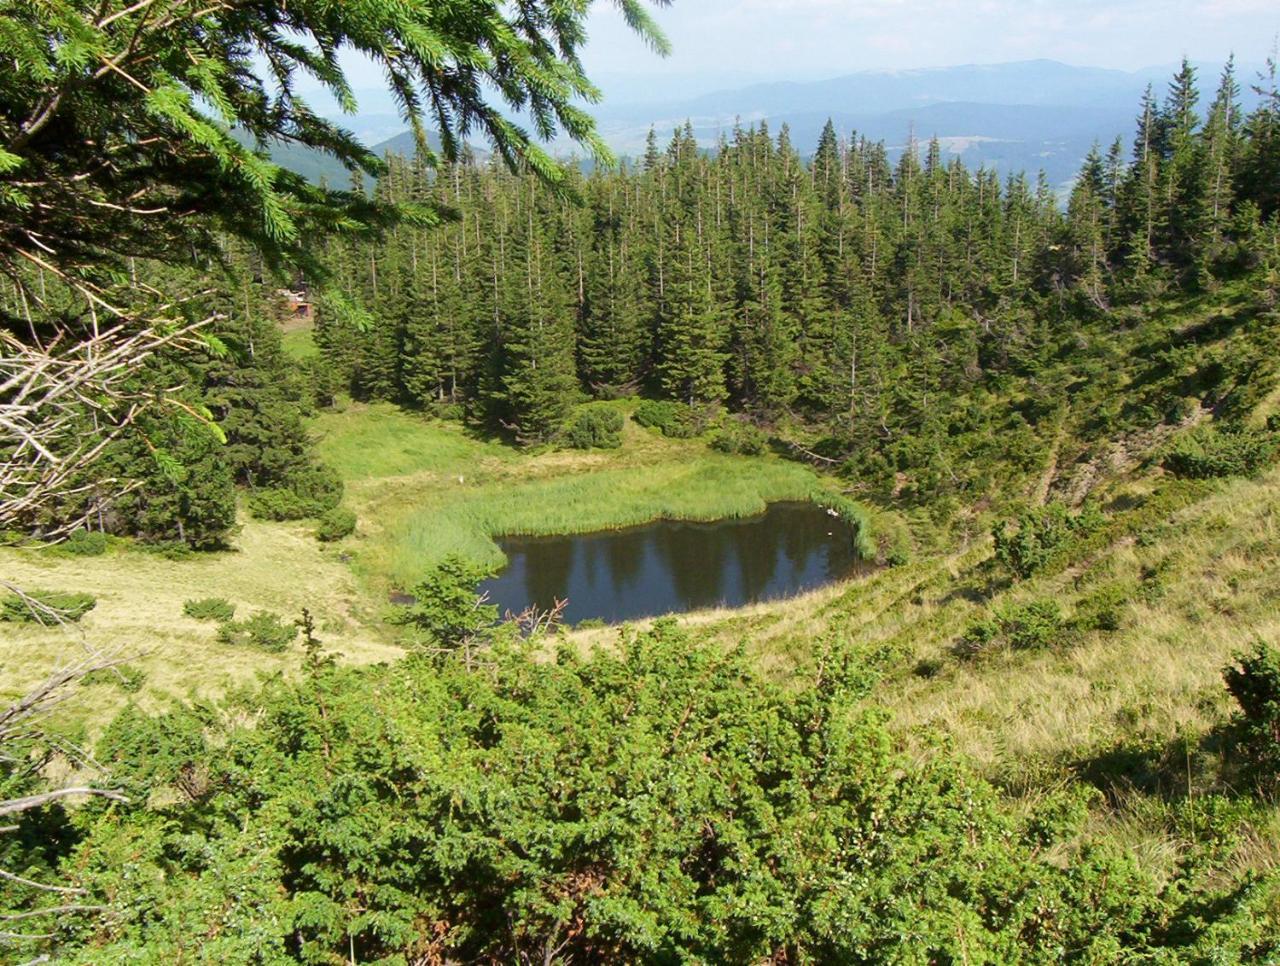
(434, 492)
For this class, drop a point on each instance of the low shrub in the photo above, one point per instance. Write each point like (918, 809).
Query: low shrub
(1103, 610)
(1022, 627)
(309, 493)
(85, 543)
(169, 549)
(449, 411)
(595, 428)
(1254, 681)
(1031, 626)
(1027, 546)
(210, 609)
(674, 420)
(279, 504)
(893, 547)
(336, 524)
(319, 485)
(1208, 453)
(264, 630)
(810, 797)
(928, 669)
(45, 607)
(126, 677)
(980, 637)
(740, 438)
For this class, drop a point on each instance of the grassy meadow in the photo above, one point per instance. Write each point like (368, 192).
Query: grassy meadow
(297, 339)
(1140, 706)
(1139, 711)
(1195, 571)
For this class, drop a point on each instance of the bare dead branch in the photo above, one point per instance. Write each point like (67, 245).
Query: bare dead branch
(50, 911)
(30, 883)
(63, 402)
(21, 728)
(534, 621)
(17, 805)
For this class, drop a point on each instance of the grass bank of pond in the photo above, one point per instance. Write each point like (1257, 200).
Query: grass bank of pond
(425, 489)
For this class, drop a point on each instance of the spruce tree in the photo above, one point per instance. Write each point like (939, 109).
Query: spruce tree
(536, 362)
(1260, 160)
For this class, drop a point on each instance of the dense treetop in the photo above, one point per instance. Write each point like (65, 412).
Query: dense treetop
(663, 803)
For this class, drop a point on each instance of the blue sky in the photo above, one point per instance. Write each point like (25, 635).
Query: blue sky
(804, 39)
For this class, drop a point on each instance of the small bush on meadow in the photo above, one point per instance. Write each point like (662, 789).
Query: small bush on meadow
(336, 524)
(264, 630)
(45, 607)
(126, 677)
(1104, 609)
(210, 609)
(279, 504)
(1022, 627)
(595, 429)
(309, 493)
(1032, 626)
(1039, 533)
(85, 543)
(169, 549)
(1254, 681)
(320, 485)
(674, 420)
(450, 411)
(740, 438)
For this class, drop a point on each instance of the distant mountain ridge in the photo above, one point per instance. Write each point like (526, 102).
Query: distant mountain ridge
(1027, 115)
(1021, 82)
(1034, 115)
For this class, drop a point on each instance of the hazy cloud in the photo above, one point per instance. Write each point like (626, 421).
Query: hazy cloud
(805, 38)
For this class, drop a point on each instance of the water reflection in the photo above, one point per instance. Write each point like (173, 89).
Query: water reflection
(674, 566)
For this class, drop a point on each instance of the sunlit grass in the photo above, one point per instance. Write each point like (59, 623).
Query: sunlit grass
(423, 489)
(463, 520)
(139, 618)
(367, 442)
(1158, 676)
(299, 342)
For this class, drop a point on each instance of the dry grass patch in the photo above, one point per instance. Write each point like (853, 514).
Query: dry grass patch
(1211, 585)
(274, 567)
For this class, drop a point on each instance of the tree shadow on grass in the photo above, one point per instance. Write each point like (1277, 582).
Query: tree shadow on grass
(1169, 770)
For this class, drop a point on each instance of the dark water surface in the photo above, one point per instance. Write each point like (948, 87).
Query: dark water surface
(673, 566)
